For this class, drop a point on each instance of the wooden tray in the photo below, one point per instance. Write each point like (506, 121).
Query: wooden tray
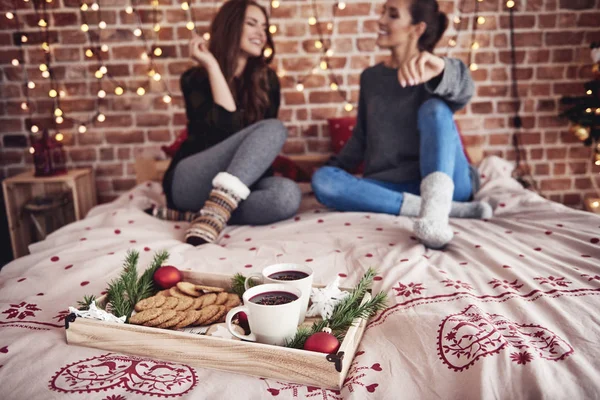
(282, 363)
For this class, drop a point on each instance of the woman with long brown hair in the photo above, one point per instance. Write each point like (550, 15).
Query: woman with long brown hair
(220, 174)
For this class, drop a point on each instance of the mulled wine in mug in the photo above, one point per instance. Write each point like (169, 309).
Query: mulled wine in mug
(273, 311)
(297, 275)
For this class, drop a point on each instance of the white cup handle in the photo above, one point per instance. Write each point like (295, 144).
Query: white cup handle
(257, 275)
(230, 315)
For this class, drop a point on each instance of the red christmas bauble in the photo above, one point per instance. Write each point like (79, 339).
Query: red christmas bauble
(322, 342)
(167, 276)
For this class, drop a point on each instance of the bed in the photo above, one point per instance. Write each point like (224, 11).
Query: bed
(508, 310)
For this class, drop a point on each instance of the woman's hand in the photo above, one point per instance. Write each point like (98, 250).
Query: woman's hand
(199, 52)
(420, 69)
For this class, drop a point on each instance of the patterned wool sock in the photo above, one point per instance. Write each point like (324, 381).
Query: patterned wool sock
(432, 225)
(169, 214)
(227, 193)
(411, 206)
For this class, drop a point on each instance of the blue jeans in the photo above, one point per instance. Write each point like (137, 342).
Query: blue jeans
(440, 150)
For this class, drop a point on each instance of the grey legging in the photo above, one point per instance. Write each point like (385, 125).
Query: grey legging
(247, 155)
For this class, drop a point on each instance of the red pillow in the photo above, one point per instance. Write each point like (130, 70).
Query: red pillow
(283, 166)
(171, 149)
(340, 130)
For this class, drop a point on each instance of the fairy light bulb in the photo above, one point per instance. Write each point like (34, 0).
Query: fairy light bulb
(58, 112)
(190, 26)
(589, 92)
(348, 107)
(52, 93)
(167, 99)
(481, 20)
(62, 93)
(157, 77)
(89, 53)
(35, 129)
(267, 52)
(341, 5)
(329, 53)
(102, 25)
(85, 27)
(43, 67)
(31, 85)
(101, 117)
(156, 28)
(475, 46)
(59, 137)
(273, 29)
(451, 42)
(59, 120)
(15, 62)
(82, 129)
(323, 65)
(329, 26)
(312, 21)
(299, 87)
(84, 7)
(473, 67)
(24, 106)
(104, 48)
(46, 74)
(10, 15)
(101, 93)
(318, 44)
(281, 73)
(31, 150)
(46, 47)
(103, 69)
(275, 4)
(457, 20)
(588, 110)
(333, 86)
(141, 91)
(42, 23)
(119, 90)
(137, 32)
(24, 38)
(99, 74)
(144, 56)
(185, 6)
(510, 4)
(206, 36)
(95, 6)
(158, 52)
(129, 10)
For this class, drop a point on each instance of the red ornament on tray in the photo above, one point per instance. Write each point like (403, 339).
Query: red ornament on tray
(167, 276)
(322, 342)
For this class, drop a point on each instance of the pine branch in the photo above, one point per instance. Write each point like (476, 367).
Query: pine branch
(146, 284)
(237, 284)
(84, 304)
(118, 303)
(129, 276)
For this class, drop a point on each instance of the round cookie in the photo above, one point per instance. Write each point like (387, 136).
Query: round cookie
(233, 300)
(170, 303)
(197, 303)
(173, 321)
(220, 314)
(184, 303)
(189, 289)
(150, 302)
(206, 313)
(190, 317)
(144, 316)
(177, 293)
(209, 289)
(208, 299)
(164, 293)
(162, 318)
(221, 298)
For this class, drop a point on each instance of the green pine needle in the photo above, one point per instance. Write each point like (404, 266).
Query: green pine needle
(146, 284)
(237, 284)
(84, 305)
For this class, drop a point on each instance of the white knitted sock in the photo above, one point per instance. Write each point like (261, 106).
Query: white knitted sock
(411, 207)
(432, 226)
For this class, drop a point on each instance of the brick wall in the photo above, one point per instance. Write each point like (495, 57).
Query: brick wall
(552, 39)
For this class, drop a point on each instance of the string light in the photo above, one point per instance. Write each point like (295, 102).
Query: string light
(59, 137)
(31, 85)
(473, 67)
(82, 129)
(190, 25)
(104, 48)
(510, 4)
(46, 74)
(157, 77)
(103, 69)
(475, 46)
(42, 23)
(333, 86)
(99, 74)
(451, 42)
(58, 112)
(206, 36)
(15, 62)
(85, 27)
(156, 28)
(89, 53)
(119, 90)
(481, 20)
(299, 87)
(323, 65)
(273, 29)
(141, 91)
(46, 47)
(137, 32)
(101, 117)
(10, 15)
(52, 93)
(267, 52)
(167, 99)
(31, 150)
(102, 25)
(35, 129)
(185, 6)
(129, 10)
(348, 107)
(275, 4)
(59, 120)
(24, 106)
(589, 91)
(24, 38)
(341, 5)
(318, 44)
(43, 67)
(95, 6)
(84, 7)
(158, 52)
(101, 93)
(312, 21)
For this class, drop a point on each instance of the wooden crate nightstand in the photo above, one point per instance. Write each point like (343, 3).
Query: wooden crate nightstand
(20, 189)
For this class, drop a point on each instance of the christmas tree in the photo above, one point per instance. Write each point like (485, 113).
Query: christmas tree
(584, 111)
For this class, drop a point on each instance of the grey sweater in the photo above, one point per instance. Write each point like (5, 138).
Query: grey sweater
(386, 136)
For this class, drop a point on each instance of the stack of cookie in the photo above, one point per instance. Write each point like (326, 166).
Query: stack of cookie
(185, 305)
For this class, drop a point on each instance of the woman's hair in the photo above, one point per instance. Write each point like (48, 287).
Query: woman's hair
(428, 11)
(251, 89)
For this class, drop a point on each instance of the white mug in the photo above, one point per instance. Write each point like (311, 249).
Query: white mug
(269, 324)
(304, 284)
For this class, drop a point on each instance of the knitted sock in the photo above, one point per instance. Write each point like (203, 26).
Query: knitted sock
(432, 225)
(169, 214)
(411, 206)
(227, 193)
